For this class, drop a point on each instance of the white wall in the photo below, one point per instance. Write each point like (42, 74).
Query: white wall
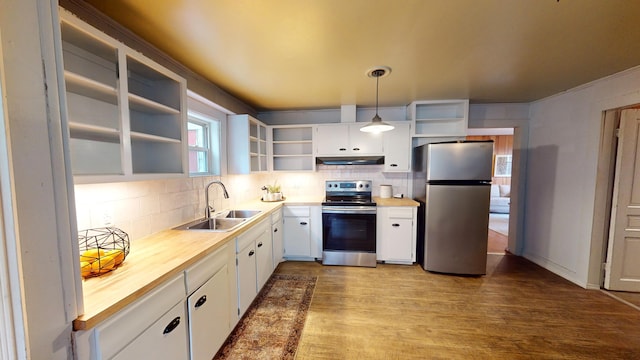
(40, 207)
(561, 173)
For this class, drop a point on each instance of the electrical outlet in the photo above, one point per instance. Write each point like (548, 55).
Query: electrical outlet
(107, 217)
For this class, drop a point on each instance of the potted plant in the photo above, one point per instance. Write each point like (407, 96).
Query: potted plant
(273, 192)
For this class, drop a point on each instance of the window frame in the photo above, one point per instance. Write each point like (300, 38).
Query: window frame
(213, 149)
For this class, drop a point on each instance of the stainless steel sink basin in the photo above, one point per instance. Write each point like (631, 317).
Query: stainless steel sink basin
(238, 214)
(213, 224)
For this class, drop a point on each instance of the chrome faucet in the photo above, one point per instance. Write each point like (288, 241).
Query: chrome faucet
(209, 209)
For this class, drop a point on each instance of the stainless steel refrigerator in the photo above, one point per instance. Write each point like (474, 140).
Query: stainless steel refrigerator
(452, 180)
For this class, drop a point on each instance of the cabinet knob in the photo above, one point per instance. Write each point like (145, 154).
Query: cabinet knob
(172, 325)
(342, 149)
(395, 225)
(260, 244)
(201, 301)
(275, 230)
(356, 149)
(393, 165)
(251, 253)
(303, 223)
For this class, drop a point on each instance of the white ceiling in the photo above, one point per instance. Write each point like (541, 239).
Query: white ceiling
(302, 54)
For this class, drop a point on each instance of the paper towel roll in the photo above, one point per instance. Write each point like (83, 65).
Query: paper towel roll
(385, 191)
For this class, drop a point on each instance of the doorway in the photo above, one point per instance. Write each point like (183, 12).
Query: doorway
(500, 203)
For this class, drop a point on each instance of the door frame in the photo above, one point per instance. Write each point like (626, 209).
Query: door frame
(605, 181)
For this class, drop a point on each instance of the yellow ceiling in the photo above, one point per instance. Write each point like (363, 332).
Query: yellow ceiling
(301, 54)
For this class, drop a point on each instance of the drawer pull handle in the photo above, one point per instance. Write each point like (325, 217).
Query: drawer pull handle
(260, 244)
(393, 165)
(172, 325)
(303, 223)
(342, 149)
(356, 149)
(395, 225)
(251, 253)
(201, 301)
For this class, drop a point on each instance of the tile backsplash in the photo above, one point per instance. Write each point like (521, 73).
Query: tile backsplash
(144, 207)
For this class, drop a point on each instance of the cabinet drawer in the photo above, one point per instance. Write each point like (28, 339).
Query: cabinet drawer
(256, 231)
(197, 274)
(400, 213)
(112, 336)
(296, 211)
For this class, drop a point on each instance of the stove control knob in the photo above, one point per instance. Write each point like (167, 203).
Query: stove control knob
(366, 185)
(360, 185)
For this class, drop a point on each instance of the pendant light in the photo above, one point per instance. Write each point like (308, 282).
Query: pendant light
(376, 124)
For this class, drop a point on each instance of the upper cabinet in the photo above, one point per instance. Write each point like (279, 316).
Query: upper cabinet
(292, 148)
(347, 139)
(247, 145)
(397, 147)
(126, 114)
(439, 118)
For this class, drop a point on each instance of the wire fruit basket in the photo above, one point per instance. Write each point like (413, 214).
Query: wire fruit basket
(102, 250)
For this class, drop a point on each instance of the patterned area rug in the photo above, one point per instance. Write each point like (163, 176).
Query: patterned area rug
(271, 327)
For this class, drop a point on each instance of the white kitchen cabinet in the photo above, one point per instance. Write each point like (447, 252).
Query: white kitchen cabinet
(439, 118)
(297, 232)
(277, 234)
(302, 232)
(292, 148)
(346, 139)
(396, 234)
(211, 302)
(153, 327)
(125, 112)
(164, 339)
(397, 147)
(254, 261)
(246, 144)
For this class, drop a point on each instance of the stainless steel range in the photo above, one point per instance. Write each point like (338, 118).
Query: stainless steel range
(348, 224)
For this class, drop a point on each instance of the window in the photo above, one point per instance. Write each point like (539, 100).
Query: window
(203, 134)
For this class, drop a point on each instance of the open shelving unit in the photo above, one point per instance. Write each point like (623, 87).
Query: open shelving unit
(125, 112)
(247, 143)
(292, 148)
(439, 118)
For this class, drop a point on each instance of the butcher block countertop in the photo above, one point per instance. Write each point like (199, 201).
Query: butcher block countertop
(394, 202)
(157, 258)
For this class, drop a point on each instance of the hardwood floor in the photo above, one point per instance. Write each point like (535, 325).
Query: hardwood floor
(497, 243)
(517, 311)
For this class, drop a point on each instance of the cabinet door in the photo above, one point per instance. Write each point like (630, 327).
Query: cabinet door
(363, 142)
(332, 140)
(164, 339)
(209, 318)
(278, 246)
(397, 148)
(246, 259)
(297, 236)
(395, 234)
(264, 259)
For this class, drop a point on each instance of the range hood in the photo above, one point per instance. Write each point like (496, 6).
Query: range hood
(350, 160)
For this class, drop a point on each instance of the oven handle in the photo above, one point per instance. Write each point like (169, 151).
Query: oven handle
(348, 210)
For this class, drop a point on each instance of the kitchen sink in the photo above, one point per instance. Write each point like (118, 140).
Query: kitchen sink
(213, 224)
(237, 214)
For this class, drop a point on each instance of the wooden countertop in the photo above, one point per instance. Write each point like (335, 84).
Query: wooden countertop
(394, 202)
(157, 258)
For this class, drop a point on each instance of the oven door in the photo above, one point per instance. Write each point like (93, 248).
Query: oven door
(349, 228)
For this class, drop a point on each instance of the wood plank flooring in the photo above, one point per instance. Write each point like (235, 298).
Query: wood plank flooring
(497, 243)
(517, 311)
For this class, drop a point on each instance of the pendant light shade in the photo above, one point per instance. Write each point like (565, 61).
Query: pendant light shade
(376, 124)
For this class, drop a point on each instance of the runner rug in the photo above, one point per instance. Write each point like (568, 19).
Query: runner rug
(271, 327)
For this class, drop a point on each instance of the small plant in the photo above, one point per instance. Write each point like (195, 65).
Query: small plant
(275, 188)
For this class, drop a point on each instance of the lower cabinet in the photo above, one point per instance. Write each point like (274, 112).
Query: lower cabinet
(154, 327)
(277, 236)
(396, 234)
(211, 302)
(302, 232)
(254, 261)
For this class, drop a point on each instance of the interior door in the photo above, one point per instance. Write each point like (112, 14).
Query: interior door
(622, 270)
